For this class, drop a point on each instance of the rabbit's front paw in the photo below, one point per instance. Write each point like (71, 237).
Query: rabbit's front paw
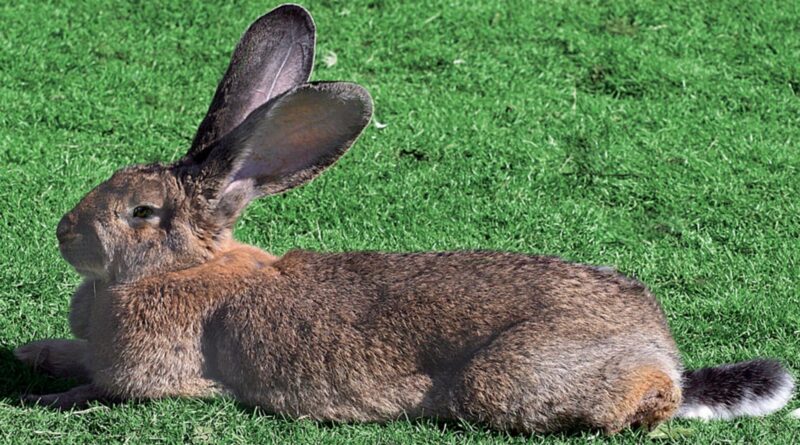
(77, 397)
(56, 357)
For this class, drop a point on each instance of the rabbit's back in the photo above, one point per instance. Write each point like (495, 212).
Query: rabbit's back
(366, 336)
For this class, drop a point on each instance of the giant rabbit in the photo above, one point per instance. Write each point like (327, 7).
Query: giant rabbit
(173, 306)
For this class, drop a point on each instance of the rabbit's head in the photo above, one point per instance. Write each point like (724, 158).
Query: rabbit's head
(266, 131)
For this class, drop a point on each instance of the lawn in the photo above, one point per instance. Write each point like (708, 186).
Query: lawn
(658, 137)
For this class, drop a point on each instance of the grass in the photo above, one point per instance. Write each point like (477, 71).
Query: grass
(658, 137)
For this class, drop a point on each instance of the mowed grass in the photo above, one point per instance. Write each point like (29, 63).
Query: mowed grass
(658, 137)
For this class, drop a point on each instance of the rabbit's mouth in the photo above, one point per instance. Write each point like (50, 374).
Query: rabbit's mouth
(84, 260)
(88, 271)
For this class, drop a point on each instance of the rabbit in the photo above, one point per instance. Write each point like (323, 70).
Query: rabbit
(173, 306)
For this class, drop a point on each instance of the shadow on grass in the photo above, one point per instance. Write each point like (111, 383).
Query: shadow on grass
(17, 380)
(458, 428)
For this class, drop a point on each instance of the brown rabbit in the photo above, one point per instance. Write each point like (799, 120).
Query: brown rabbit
(173, 306)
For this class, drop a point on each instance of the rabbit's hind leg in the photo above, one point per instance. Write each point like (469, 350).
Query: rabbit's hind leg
(559, 384)
(647, 397)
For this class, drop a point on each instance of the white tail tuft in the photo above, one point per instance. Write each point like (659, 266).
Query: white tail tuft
(754, 388)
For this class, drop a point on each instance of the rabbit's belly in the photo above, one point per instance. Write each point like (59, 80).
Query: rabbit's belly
(316, 378)
(369, 400)
(359, 398)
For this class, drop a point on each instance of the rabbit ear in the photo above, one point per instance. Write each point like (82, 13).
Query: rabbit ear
(274, 55)
(283, 144)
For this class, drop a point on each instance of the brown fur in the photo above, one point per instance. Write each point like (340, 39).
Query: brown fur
(522, 343)
(172, 306)
(651, 398)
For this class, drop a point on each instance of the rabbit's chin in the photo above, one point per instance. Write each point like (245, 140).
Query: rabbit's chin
(91, 273)
(87, 264)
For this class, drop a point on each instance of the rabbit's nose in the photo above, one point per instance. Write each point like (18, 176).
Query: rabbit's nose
(64, 229)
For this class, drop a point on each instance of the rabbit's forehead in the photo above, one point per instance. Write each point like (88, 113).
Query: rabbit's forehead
(135, 188)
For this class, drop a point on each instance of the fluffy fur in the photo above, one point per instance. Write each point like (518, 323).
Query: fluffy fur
(753, 388)
(173, 306)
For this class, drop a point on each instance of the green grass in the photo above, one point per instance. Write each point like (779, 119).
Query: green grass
(658, 137)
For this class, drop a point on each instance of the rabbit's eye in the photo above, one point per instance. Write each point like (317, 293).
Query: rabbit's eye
(142, 212)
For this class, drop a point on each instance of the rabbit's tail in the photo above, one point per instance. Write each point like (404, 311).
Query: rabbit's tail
(752, 388)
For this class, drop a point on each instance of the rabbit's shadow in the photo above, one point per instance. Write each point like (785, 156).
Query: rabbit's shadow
(17, 379)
